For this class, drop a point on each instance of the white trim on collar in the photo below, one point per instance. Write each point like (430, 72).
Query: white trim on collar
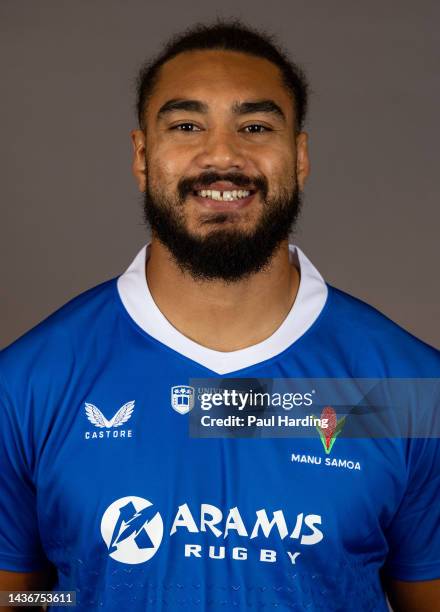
(138, 301)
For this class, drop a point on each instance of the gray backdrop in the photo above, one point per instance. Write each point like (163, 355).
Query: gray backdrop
(70, 213)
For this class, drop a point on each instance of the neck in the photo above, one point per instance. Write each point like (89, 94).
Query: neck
(218, 315)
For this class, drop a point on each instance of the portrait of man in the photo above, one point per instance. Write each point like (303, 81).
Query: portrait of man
(103, 492)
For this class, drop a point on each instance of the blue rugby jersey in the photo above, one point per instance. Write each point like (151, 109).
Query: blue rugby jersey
(100, 477)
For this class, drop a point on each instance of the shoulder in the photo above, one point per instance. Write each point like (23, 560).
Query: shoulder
(54, 344)
(373, 337)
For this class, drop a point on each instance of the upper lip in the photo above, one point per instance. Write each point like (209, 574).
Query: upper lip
(221, 186)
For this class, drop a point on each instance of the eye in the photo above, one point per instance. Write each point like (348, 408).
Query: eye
(186, 127)
(256, 128)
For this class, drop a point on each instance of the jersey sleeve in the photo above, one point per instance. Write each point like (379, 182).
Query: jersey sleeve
(414, 533)
(20, 545)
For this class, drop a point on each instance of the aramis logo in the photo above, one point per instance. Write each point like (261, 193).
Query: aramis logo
(132, 530)
(331, 432)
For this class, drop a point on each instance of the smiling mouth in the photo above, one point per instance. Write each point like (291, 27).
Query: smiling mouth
(223, 195)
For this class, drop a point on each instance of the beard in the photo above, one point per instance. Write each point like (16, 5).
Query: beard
(226, 253)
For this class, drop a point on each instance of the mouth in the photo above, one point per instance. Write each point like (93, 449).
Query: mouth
(223, 196)
(224, 199)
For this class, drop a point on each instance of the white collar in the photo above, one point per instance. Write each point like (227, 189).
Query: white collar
(138, 301)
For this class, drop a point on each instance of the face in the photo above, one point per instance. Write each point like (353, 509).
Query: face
(220, 163)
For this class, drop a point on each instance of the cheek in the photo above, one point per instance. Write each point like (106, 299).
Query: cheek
(274, 159)
(167, 166)
(161, 174)
(280, 172)
(171, 155)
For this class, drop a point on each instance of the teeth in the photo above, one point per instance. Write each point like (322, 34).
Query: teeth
(223, 196)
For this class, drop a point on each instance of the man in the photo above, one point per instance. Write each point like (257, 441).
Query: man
(100, 478)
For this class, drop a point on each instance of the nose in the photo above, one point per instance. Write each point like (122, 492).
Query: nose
(221, 151)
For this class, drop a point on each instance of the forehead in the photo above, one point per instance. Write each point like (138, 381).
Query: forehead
(220, 77)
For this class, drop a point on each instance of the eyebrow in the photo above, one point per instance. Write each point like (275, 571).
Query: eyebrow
(180, 104)
(238, 108)
(259, 106)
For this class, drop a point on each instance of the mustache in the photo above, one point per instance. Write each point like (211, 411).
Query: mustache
(186, 185)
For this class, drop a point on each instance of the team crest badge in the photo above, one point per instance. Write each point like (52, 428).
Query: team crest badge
(182, 398)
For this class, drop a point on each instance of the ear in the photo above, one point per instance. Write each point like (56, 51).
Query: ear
(302, 159)
(139, 165)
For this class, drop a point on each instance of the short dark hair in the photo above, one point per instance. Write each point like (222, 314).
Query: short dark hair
(231, 35)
